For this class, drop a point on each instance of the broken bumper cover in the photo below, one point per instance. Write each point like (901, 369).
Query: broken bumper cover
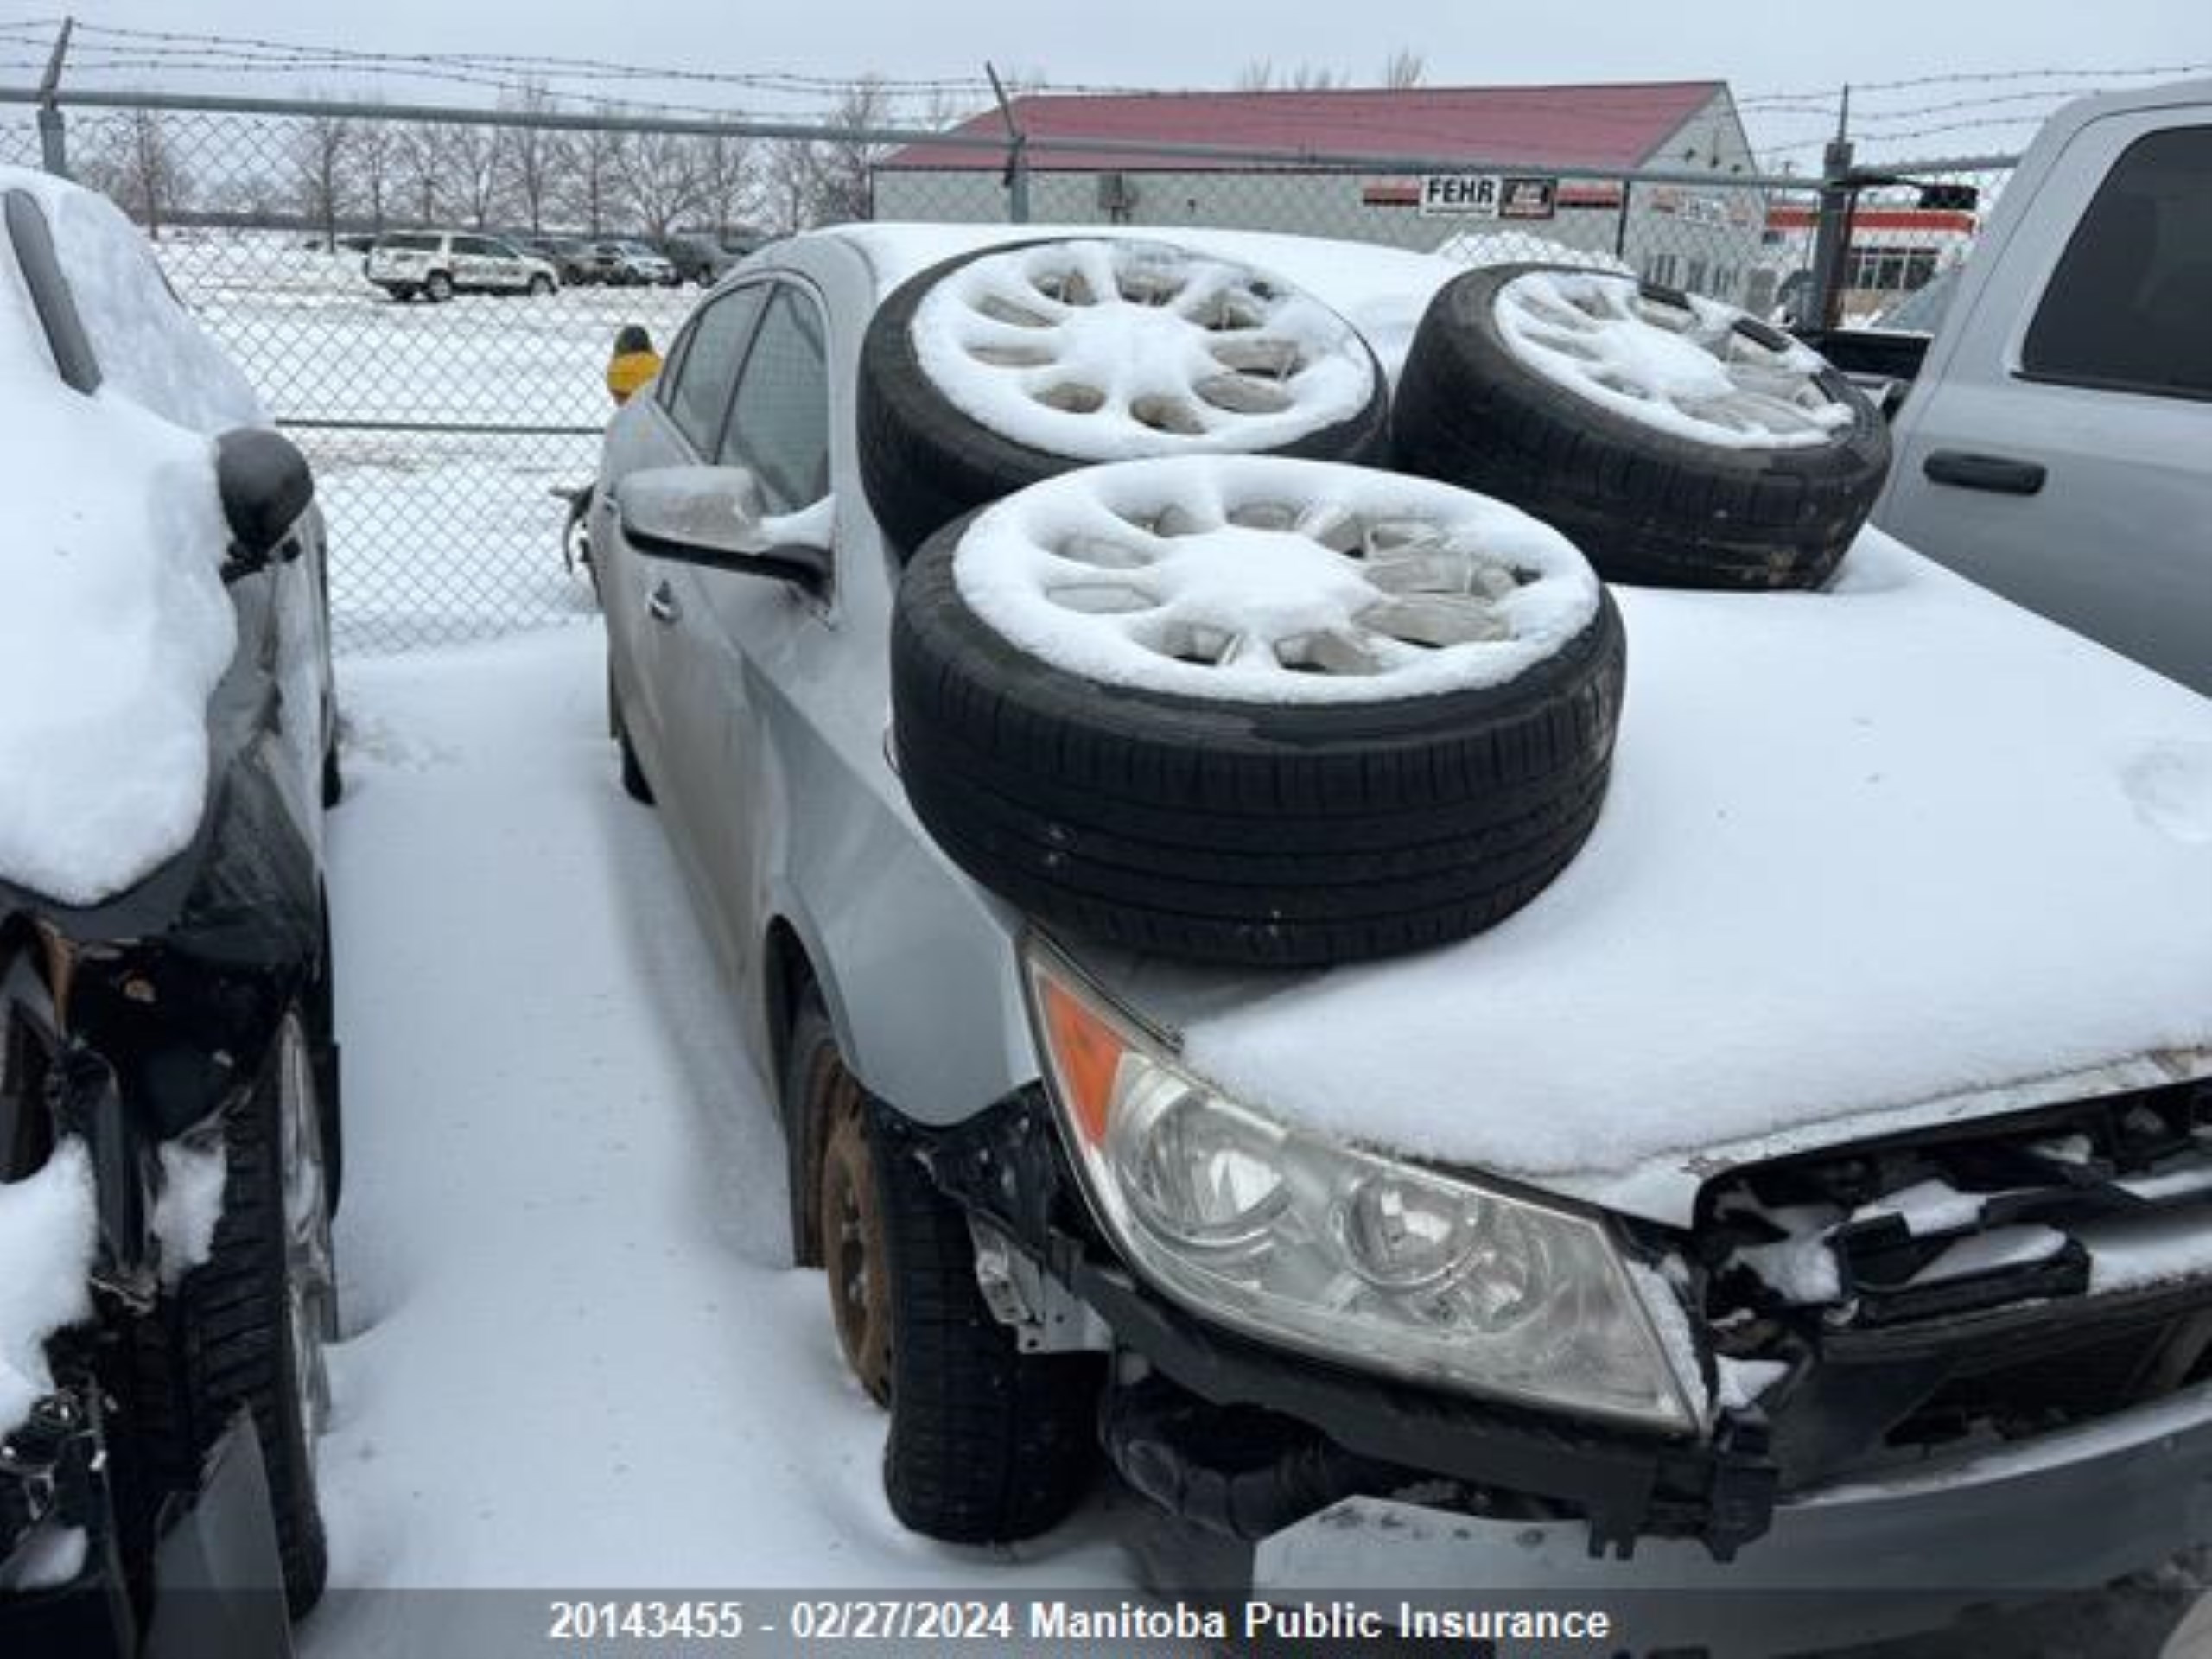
(2071, 1510)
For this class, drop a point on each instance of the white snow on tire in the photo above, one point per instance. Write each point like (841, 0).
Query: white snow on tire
(1261, 579)
(1690, 369)
(1103, 350)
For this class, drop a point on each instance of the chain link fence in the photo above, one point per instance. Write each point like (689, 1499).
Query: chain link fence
(441, 432)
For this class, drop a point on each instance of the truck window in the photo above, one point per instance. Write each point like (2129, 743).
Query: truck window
(2130, 306)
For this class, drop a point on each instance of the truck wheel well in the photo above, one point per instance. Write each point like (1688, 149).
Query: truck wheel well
(786, 974)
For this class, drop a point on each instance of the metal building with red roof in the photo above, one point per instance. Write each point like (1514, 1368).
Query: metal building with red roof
(1415, 166)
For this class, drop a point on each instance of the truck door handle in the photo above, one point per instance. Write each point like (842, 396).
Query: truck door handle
(2000, 474)
(661, 606)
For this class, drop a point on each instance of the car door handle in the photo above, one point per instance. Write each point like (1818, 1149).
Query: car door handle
(661, 606)
(2000, 474)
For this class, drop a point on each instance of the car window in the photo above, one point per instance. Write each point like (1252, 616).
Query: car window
(779, 424)
(502, 249)
(410, 243)
(713, 346)
(475, 245)
(2128, 307)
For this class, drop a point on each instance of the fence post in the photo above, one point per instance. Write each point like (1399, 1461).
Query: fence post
(53, 135)
(1017, 155)
(1620, 226)
(1831, 230)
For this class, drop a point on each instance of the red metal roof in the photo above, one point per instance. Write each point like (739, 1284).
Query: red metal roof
(1567, 126)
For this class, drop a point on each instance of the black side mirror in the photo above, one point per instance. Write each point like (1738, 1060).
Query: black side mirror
(265, 486)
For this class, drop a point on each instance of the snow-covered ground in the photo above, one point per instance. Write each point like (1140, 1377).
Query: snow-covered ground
(573, 1353)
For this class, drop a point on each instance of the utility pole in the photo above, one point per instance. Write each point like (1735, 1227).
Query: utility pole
(1832, 235)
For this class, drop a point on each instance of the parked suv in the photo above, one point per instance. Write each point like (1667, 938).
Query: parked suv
(628, 264)
(570, 256)
(168, 1080)
(438, 264)
(703, 260)
(1801, 1183)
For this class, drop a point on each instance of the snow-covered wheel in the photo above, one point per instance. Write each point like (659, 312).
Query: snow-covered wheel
(438, 287)
(1679, 442)
(1256, 710)
(994, 370)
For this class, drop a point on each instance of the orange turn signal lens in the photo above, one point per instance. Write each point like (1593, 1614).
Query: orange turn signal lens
(1086, 1053)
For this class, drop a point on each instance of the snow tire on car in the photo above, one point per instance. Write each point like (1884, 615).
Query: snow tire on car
(1256, 711)
(1678, 441)
(991, 370)
(245, 1329)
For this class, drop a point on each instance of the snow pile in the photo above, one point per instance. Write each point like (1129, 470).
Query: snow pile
(1864, 852)
(1253, 564)
(114, 625)
(1593, 336)
(1484, 248)
(1111, 350)
(150, 350)
(47, 1230)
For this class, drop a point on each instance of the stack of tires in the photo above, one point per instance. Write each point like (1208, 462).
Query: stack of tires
(1176, 666)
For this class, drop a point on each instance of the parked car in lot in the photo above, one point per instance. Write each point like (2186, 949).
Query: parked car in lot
(438, 264)
(629, 265)
(705, 259)
(1716, 1097)
(2054, 399)
(168, 1076)
(570, 256)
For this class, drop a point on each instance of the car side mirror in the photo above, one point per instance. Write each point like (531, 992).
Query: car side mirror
(265, 486)
(713, 515)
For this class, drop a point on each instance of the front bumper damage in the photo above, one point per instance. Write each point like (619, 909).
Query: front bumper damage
(1881, 1461)
(132, 1027)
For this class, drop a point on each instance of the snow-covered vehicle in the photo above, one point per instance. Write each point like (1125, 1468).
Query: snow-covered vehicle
(438, 264)
(1787, 1168)
(168, 1106)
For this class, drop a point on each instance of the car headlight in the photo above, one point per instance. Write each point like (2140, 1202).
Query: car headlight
(1344, 1253)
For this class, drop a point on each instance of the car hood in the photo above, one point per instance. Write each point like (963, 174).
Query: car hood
(1893, 853)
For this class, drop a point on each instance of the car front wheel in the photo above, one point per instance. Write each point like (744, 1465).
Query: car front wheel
(246, 1328)
(987, 1444)
(439, 286)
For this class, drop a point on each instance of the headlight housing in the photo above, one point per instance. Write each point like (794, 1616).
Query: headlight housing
(1364, 1259)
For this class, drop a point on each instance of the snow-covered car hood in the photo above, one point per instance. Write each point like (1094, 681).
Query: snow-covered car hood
(1895, 854)
(114, 625)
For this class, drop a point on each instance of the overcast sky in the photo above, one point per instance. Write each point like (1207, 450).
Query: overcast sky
(1760, 47)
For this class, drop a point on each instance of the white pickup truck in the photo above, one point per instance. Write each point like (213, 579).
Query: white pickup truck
(2056, 443)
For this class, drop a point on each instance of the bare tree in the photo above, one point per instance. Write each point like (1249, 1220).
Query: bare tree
(722, 164)
(660, 180)
(829, 180)
(319, 148)
(134, 162)
(377, 161)
(474, 161)
(534, 156)
(593, 176)
(1403, 68)
(1260, 75)
(423, 170)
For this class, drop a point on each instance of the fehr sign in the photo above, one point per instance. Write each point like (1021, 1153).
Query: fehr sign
(1486, 195)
